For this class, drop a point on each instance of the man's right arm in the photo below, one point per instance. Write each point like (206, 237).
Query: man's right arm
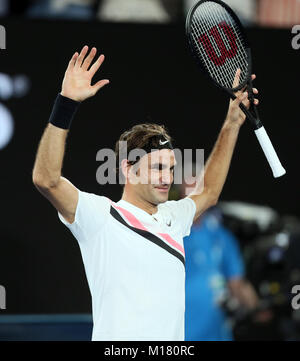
(49, 159)
(47, 173)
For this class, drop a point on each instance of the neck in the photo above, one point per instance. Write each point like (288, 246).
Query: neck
(139, 202)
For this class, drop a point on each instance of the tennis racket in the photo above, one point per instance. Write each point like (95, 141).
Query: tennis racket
(218, 42)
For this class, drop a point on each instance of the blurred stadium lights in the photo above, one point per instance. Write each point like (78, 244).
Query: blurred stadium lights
(6, 126)
(10, 86)
(263, 216)
(146, 11)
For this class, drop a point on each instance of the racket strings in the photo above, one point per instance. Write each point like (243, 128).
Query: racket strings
(217, 38)
(221, 40)
(219, 43)
(235, 35)
(234, 63)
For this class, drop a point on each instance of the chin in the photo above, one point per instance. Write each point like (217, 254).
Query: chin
(163, 197)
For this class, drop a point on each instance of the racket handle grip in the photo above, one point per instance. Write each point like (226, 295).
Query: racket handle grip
(270, 153)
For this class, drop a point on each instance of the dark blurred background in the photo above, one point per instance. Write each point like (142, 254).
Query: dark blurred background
(153, 78)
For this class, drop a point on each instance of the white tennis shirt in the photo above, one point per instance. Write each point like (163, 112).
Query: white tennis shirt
(134, 263)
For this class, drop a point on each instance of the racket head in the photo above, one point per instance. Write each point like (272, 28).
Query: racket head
(219, 44)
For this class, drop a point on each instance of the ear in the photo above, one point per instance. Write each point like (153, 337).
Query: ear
(125, 167)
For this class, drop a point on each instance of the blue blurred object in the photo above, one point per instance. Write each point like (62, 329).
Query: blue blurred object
(46, 9)
(212, 258)
(71, 327)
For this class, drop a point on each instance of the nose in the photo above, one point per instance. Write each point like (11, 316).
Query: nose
(166, 177)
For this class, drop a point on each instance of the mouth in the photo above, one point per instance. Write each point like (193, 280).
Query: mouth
(163, 189)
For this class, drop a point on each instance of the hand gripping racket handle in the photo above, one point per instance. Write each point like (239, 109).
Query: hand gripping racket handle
(270, 153)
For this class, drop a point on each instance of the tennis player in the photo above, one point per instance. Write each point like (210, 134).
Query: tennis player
(133, 249)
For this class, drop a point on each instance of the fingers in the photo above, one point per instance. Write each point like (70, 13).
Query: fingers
(236, 80)
(241, 95)
(97, 64)
(237, 76)
(81, 56)
(241, 98)
(100, 84)
(254, 90)
(80, 60)
(255, 100)
(72, 61)
(89, 59)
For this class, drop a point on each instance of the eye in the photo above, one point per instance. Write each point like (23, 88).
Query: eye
(157, 167)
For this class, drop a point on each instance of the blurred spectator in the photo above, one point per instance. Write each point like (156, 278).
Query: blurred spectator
(13, 7)
(154, 11)
(268, 13)
(64, 9)
(214, 277)
(278, 13)
(245, 10)
(4, 7)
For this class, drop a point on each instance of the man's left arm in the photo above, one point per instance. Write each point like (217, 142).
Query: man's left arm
(217, 165)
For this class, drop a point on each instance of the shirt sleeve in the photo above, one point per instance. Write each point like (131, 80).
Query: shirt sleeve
(233, 264)
(90, 216)
(182, 214)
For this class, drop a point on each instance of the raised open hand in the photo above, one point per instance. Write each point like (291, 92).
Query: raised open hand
(78, 76)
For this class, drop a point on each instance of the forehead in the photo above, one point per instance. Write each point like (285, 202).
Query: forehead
(164, 156)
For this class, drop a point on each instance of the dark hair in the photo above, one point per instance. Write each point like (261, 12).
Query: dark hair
(139, 136)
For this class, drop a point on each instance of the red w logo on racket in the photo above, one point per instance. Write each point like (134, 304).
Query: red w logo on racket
(225, 52)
